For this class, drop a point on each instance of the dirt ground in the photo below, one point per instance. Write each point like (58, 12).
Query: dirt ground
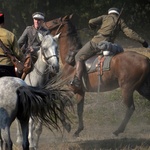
(102, 115)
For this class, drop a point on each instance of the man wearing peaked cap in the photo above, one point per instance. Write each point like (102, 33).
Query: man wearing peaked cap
(30, 40)
(10, 41)
(114, 10)
(38, 15)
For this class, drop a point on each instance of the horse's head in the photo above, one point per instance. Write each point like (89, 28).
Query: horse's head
(68, 39)
(49, 51)
(61, 25)
(58, 25)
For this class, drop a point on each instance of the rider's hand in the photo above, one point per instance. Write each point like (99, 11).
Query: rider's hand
(31, 49)
(145, 44)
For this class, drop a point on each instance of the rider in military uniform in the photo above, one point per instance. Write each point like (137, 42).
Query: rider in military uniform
(106, 24)
(10, 41)
(30, 40)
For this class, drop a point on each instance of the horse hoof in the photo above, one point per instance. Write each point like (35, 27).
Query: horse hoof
(75, 135)
(68, 127)
(19, 141)
(116, 133)
(33, 148)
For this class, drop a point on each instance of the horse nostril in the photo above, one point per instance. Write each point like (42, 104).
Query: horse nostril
(55, 69)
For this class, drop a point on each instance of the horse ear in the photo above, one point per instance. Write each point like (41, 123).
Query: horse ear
(70, 16)
(66, 17)
(56, 36)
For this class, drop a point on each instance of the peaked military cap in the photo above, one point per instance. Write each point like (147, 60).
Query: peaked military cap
(114, 10)
(38, 15)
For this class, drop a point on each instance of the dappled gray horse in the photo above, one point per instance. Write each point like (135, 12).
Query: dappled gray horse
(46, 64)
(18, 100)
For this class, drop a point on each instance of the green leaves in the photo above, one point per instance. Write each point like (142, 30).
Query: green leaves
(19, 13)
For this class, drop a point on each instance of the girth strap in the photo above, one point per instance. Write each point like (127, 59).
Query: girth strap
(100, 64)
(100, 70)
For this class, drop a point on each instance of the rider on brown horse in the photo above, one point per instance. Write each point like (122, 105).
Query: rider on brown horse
(106, 32)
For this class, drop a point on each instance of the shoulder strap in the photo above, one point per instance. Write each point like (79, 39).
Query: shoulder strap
(4, 48)
(33, 38)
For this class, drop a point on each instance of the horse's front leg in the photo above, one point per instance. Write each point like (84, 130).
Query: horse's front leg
(38, 131)
(128, 100)
(19, 133)
(7, 142)
(1, 141)
(31, 136)
(80, 105)
(65, 124)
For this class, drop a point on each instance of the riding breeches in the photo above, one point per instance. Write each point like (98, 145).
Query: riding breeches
(88, 50)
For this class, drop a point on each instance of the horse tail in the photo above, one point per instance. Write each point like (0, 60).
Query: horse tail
(41, 104)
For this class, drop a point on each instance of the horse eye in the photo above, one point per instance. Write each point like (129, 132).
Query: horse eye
(54, 22)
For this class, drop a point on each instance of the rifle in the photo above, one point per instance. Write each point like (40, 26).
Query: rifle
(116, 24)
(18, 64)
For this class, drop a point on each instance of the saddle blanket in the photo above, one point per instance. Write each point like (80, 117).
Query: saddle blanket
(91, 67)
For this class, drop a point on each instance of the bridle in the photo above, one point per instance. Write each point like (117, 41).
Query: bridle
(59, 25)
(47, 58)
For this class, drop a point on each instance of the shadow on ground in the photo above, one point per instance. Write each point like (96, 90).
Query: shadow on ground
(111, 144)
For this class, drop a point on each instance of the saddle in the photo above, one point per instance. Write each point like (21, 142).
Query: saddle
(98, 62)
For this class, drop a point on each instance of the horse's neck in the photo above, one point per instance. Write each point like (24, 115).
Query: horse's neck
(65, 45)
(37, 76)
(63, 51)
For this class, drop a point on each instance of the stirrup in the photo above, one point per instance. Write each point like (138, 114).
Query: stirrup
(76, 82)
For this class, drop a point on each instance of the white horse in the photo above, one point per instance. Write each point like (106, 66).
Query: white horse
(46, 64)
(19, 100)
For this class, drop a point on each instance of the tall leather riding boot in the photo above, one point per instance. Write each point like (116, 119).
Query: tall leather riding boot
(77, 81)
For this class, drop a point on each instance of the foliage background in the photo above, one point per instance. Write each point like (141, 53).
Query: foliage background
(19, 12)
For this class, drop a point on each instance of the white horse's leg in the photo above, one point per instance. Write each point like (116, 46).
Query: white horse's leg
(38, 131)
(19, 132)
(31, 136)
(1, 141)
(6, 138)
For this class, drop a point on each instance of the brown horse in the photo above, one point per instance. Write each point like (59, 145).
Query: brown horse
(129, 70)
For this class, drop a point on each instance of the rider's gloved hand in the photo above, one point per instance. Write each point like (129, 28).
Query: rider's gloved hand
(145, 44)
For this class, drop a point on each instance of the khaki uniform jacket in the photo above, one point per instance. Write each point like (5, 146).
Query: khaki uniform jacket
(10, 41)
(106, 24)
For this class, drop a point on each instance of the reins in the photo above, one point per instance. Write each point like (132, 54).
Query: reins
(46, 58)
(46, 61)
(53, 27)
(59, 26)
